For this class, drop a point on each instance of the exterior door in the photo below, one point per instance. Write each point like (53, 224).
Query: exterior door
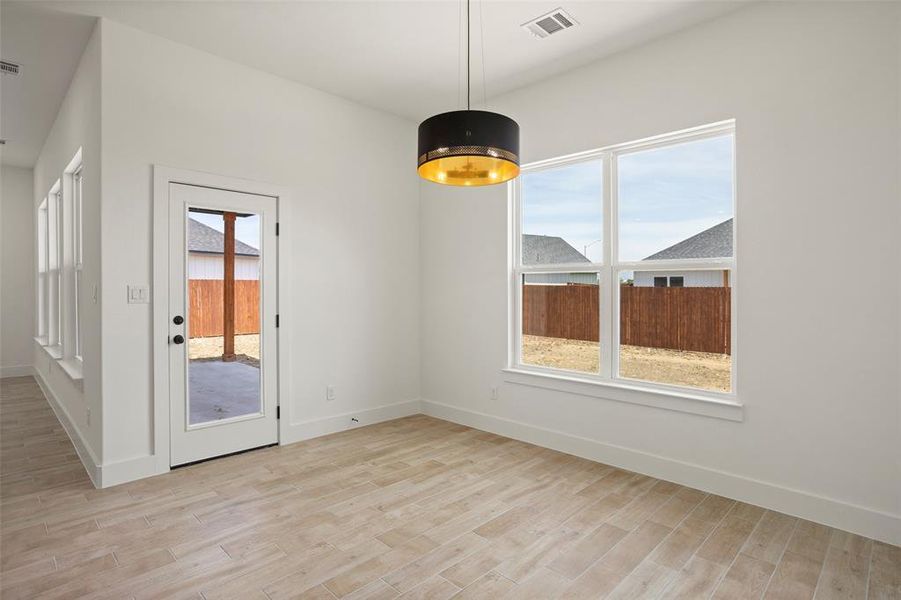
(223, 380)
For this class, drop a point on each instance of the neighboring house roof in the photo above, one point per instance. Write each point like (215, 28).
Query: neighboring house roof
(548, 250)
(715, 242)
(203, 238)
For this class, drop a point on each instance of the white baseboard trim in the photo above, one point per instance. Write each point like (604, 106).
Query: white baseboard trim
(864, 521)
(313, 428)
(16, 371)
(130, 469)
(90, 462)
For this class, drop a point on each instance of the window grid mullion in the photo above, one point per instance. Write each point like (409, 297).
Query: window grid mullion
(605, 319)
(562, 268)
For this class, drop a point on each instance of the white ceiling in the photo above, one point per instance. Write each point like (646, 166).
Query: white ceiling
(401, 57)
(47, 44)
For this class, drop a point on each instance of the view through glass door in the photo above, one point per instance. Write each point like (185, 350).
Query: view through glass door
(222, 305)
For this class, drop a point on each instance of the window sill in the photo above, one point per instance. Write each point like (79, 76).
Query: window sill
(55, 352)
(73, 368)
(41, 339)
(687, 402)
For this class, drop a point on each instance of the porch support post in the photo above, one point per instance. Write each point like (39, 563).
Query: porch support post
(228, 342)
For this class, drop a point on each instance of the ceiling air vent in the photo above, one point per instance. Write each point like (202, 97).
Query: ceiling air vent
(553, 22)
(8, 68)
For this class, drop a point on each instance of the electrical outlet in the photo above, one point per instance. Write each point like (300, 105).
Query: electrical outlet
(494, 393)
(354, 422)
(329, 392)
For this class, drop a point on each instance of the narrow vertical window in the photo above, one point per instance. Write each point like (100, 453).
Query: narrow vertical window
(560, 256)
(43, 292)
(55, 268)
(78, 259)
(60, 234)
(674, 203)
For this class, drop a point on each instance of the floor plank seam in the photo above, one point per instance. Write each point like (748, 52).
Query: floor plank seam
(769, 582)
(866, 587)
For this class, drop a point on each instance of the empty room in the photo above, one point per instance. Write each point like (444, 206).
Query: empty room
(520, 299)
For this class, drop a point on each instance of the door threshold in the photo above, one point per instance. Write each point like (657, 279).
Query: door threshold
(203, 460)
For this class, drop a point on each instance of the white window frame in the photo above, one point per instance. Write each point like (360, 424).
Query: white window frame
(43, 272)
(608, 270)
(55, 245)
(77, 261)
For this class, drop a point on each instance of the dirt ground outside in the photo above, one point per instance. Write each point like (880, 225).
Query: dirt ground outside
(247, 348)
(695, 369)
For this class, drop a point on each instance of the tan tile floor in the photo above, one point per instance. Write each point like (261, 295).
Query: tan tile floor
(413, 508)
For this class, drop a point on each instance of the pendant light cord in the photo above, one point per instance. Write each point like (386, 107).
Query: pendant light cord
(468, 94)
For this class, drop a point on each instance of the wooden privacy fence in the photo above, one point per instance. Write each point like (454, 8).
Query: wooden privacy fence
(686, 318)
(206, 304)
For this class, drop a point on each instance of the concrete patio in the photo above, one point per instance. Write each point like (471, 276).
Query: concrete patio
(222, 390)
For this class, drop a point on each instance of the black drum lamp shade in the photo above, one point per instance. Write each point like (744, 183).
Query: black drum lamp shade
(468, 147)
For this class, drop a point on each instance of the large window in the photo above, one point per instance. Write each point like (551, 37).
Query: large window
(60, 267)
(624, 263)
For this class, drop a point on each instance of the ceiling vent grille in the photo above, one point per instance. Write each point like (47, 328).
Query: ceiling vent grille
(553, 22)
(8, 68)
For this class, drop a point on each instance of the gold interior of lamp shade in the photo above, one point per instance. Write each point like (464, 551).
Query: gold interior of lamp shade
(469, 170)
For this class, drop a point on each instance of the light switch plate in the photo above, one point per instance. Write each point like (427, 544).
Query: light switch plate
(138, 294)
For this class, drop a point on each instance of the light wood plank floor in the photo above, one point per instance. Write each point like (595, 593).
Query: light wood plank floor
(413, 508)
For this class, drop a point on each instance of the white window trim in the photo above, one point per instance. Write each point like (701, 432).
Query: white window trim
(72, 367)
(605, 384)
(54, 352)
(42, 293)
(55, 231)
(75, 306)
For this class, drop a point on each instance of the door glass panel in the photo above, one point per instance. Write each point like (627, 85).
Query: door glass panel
(223, 320)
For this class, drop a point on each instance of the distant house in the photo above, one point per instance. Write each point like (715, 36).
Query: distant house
(205, 248)
(553, 250)
(715, 242)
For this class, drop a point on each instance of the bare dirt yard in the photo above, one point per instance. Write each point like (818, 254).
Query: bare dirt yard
(247, 348)
(678, 367)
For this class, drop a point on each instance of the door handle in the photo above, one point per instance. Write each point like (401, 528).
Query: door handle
(178, 339)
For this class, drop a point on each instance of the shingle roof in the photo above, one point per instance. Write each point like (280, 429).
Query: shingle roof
(203, 238)
(548, 250)
(715, 242)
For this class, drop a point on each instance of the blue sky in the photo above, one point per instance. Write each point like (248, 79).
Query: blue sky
(665, 195)
(247, 229)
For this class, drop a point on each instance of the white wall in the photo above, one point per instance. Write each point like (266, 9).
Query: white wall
(78, 125)
(814, 88)
(16, 271)
(353, 242)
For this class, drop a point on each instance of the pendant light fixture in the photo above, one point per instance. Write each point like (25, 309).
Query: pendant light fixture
(468, 147)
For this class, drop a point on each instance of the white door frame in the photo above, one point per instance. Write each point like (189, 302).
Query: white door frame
(162, 177)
